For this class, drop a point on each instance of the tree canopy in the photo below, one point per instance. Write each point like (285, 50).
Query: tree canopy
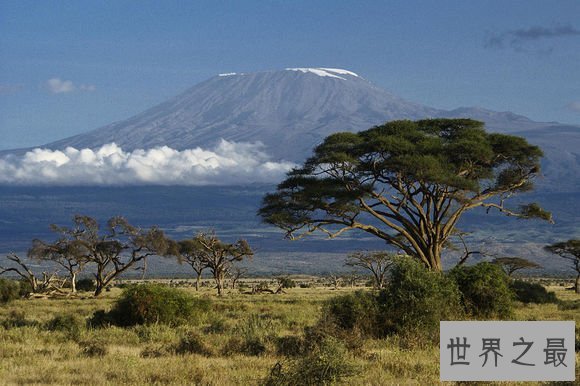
(406, 182)
(569, 250)
(512, 264)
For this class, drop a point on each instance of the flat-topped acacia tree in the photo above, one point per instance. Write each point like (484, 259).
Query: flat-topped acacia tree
(406, 182)
(110, 252)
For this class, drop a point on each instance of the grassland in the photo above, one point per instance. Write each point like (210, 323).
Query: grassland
(32, 352)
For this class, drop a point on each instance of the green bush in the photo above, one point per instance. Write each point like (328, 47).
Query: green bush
(415, 300)
(290, 345)
(192, 343)
(411, 305)
(327, 364)
(357, 310)
(9, 290)
(152, 303)
(527, 292)
(25, 288)
(71, 325)
(485, 290)
(87, 285)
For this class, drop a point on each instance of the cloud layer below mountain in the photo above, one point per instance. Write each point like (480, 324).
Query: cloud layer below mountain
(228, 163)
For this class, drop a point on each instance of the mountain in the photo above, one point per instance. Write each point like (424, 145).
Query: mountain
(292, 110)
(289, 111)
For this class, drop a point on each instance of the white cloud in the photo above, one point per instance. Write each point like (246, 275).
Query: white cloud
(230, 163)
(60, 86)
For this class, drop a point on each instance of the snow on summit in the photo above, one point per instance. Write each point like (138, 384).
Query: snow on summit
(330, 72)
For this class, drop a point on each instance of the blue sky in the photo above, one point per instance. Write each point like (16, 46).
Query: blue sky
(71, 66)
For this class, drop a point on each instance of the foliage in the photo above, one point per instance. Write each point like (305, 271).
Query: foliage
(526, 292)
(326, 364)
(377, 263)
(193, 343)
(569, 250)
(86, 284)
(485, 290)
(411, 305)
(112, 251)
(93, 348)
(512, 264)
(206, 250)
(9, 290)
(358, 310)
(153, 303)
(415, 300)
(70, 324)
(405, 182)
(286, 282)
(255, 335)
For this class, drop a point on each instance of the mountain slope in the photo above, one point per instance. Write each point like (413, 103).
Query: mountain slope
(292, 110)
(289, 111)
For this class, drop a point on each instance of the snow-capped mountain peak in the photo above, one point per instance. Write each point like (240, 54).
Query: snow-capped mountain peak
(329, 72)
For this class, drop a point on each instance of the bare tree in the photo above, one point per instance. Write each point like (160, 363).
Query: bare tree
(377, 263)
(49, 281)
(236, 273)
(219, 256)
(334, 280)
(69, 254)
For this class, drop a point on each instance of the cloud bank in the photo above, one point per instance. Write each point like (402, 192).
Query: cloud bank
(519, 39)
(60, 86)
(230, 163)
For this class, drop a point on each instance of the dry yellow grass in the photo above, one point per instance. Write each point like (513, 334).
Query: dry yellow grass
(33, 355)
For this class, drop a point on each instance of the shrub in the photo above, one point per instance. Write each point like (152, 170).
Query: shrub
(286, 282)
(569, 305)
(326, 364)
(25, 288)
(485, 290)
(152, 303)
(17, 319)
(93, 348)
(9, 290)
(527, 292)
(253, 336)
(290, 345)
(71, 325)
(357, 310)
(411, 306)
(415, 300)
(192, 343)
(87, 285)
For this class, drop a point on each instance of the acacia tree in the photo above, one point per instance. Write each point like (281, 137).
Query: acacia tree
(405, 182)
(113, 251)
(189, 251)
(569, 250)
(219, 256)
(512, 264)
(377, 263)
(49, 281)
(69, 254)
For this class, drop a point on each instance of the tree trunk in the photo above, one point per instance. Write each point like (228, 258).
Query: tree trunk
(577, 284)
(197, 281)
(73, 282)
(219, 283)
